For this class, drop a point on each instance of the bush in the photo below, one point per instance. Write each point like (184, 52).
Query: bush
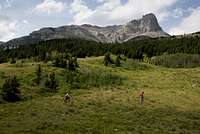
(92, 78)
(10, 90)
(51, 83)
(145, 58)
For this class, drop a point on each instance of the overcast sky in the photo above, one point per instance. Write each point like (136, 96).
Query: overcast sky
(20, 17)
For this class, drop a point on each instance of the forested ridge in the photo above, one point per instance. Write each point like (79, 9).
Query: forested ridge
(81, 48)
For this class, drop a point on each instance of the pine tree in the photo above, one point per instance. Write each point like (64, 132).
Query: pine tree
(51, 83)
(76, 62)
(10, 89)
(117, 62)
(107, 59)
(13, 60)
(71, 64)
(57, 62)
(38, 75)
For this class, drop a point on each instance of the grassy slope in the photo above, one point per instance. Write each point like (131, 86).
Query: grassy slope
(172, 103)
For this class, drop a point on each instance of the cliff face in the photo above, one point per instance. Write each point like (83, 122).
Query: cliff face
(146, 26)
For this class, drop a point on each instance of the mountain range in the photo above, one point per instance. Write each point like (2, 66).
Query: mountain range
(147, 26)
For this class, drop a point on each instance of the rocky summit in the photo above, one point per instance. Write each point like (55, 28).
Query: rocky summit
(147, 26)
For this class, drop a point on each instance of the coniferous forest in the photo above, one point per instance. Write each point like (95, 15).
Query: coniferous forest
(80, 48)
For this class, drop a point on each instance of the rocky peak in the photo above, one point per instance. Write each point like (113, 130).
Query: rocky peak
(146, 26)
(149, 16)
(148, 23)
(151, 23)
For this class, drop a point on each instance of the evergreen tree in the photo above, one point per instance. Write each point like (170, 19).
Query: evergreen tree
(71, 64)
(51, 83)
(107, 59)
(10, 89)
(76, 62)
(38, 75)
(13, 60)
(57, 62)
(117, 61)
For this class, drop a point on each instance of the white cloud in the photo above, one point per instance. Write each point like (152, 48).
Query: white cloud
(5, 4)
(114, 12)
(178, 12)
(8, 28)
(8, 3)
(25, 22)
(80, 11)
(100, 1)
(188, 24)
(49, 6)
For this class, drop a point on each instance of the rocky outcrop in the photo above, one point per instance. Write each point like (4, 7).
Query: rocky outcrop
(146, 26)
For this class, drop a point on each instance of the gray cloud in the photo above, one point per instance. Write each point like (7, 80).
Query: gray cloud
(114, 12)
(49, 7)
(188, 24)
(8, 28)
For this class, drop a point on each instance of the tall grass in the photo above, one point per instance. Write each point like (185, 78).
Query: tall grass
(178, 60)
(87, 78)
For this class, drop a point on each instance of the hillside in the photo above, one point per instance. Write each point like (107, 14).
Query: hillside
(172, 101)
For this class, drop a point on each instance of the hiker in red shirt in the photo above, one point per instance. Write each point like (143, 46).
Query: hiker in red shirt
(141, 98)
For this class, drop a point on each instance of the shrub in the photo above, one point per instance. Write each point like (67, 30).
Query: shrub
(51, 83)
(10, 89)
(145, 58)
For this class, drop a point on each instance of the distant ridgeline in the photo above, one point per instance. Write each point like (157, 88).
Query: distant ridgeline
(81, 48)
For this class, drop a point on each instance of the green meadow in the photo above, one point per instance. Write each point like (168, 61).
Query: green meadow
(104, 100)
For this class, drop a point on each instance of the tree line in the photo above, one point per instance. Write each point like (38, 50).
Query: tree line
(80, 48)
